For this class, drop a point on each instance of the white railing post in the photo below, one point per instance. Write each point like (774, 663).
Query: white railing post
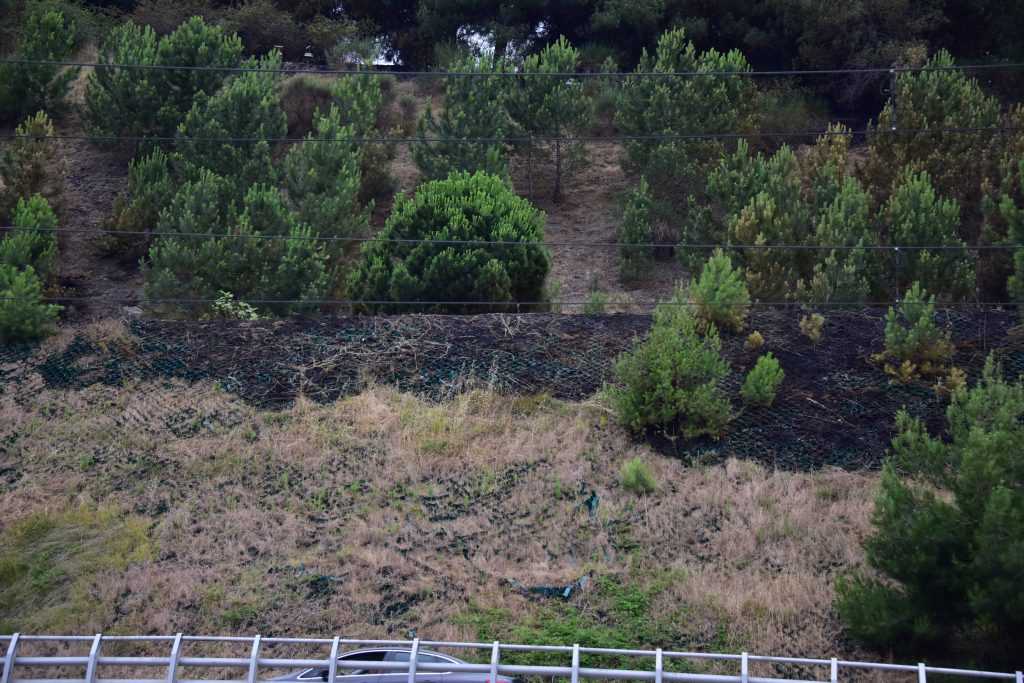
(13, 645)
(922, 675)
(254, 660)
(1020, 675)
(495, 654)
(412, 659)
(172, 663)
(834, 671)
(332, 668)
(575, 663)
(659, 665)
(744, 668)
(94, 652)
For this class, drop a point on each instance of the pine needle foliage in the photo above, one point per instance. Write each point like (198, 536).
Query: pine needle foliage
(474, 108)
(463, 207)
(671, 381)
(720, 294)
(946, 549)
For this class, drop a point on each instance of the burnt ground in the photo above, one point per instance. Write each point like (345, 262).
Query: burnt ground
(835, 408)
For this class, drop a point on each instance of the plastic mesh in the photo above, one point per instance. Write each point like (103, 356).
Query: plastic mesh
(835, 407)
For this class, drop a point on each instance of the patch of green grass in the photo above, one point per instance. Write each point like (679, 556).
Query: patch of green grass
(619, 612)
(637, 477)
(50, 561)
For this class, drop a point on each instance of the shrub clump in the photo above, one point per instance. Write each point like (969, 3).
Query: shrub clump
(812, 326)
(636, 477)
(913, 342)
(672, 379)
(763, 381)
(634, 232)
(948, 524)
(720, 293)
(24, 88)
(23, 315)
(144, 102)
(30, 165)
(464, 207)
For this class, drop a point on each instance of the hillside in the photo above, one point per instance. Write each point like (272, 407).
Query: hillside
(158, 504)
(270, 477)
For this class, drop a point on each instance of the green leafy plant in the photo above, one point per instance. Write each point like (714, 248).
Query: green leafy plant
(552, 106)
(26, 88)
(720, 294)
(754, 341)
(225, 306)
(947, 527)
(475, 108)
(23, 314)
(635, 231)
(464, 207)
(672, 379)
(912, 339)
(597, 303)
(636, 477)
(762, 382)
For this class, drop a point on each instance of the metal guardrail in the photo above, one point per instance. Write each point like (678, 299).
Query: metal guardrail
(175, 660)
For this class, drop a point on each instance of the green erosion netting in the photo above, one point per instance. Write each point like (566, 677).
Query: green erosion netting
(834, 407)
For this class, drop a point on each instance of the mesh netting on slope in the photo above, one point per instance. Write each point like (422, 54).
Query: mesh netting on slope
(834, 408)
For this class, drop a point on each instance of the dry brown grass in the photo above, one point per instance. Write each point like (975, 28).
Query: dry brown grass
(384, 512)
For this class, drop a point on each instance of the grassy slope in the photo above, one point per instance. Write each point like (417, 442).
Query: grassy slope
(137, 510)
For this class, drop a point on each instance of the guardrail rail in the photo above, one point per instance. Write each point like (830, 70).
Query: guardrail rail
(166, 668)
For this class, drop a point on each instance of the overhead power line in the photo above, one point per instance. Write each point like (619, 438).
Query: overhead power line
(654, 137)
(999, 66)
(517, 243)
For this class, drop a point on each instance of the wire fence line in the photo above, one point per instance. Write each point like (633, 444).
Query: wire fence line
(510, 305)
(521, 139)
(998, 66)
(168, 668)
(524, 243)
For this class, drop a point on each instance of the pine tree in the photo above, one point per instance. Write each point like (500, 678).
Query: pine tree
(475, 107)
(845, 274)
(463, 207)
(230, 261)
(323, 177)
(30, 165)
(552, 106)
(25, 88)
(917, 216)
(152, 102)
(636, 230)
(25, 247)
(946, 549)
(652, 106)
(935, 97)
(247, 112)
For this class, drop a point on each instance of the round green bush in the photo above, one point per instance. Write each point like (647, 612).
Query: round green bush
(462, 207)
